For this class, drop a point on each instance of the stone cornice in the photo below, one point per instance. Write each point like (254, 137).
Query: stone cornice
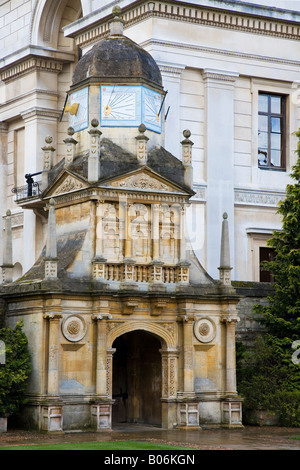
(30, 64)
(42, 112)
(246, 20)
(250, 197)
(211, 50)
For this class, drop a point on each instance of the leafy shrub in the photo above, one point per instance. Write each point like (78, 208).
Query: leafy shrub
(15, 372)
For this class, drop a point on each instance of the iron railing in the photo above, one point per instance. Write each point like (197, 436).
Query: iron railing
(32, 188)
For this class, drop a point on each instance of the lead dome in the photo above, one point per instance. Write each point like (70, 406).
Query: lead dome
(118, 59)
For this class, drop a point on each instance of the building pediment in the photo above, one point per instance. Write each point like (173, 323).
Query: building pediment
(66, 182)
(144, 180)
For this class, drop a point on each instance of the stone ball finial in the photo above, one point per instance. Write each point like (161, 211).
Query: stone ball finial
(94, 122)
(116, 11)
(225, 216)
(70, 131)
(142, 128)
(8, 213)
(187, 133)
(48, 139)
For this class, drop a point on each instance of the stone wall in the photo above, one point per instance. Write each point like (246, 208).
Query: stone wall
(251, 293)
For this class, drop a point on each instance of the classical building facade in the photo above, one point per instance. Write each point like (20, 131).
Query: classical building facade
(125, 159)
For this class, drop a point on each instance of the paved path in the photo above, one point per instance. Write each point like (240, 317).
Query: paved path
(248, 438)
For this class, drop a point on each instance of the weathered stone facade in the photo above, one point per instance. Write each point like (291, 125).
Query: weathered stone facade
(122, 320)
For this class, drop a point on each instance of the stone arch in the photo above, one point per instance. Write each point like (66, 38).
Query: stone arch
(46, 20)
(167, 340)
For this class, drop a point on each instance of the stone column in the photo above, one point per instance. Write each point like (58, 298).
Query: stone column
(38, 123)
(171, 74)
(128, 240)
(101, 365)
(7, 267)
(155, 232)
(51, 246)
(3, 177)
(169, 372)
(219, 156)
(99, 260)
(53, 353)
(230, 385)
(188, 355)
(109, 370)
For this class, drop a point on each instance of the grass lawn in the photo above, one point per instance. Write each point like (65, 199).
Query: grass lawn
(99, 445)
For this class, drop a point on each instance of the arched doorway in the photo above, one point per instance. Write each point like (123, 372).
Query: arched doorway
(137, 379)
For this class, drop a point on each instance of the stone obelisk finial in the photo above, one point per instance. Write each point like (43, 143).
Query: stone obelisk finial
(51, 247)
(225, 268)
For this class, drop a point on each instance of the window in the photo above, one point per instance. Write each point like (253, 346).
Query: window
(271, 131)
(266, 254)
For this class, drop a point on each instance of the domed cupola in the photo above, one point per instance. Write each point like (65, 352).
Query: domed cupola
(117, 59)
(118, 83)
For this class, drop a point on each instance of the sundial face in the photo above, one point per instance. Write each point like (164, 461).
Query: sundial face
(130, 106)
(79, 120)
(120, 106)
(152, 107)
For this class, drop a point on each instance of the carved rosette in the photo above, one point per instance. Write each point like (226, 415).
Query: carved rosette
(74, 328)
(204, 330)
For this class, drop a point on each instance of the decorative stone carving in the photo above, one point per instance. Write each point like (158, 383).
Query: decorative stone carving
(142, 181)
(69, 184)
(74, 328)
(204, 330)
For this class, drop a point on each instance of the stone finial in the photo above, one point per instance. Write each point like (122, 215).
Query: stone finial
(116, 26)
(225, 268)
(187, 145)
(51, 246)
(48, 151)
(7, 267)
(70, 147)
(94, 156)
(141, 141)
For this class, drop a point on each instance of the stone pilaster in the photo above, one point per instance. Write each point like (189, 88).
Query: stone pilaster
(53, 353)
(51, 246)
(101, 365)
(188, 355)
(230, 321)
(219, 156)
(7, 267)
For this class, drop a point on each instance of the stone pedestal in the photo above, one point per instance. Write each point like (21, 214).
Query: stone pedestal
(52, 417)
(188, 415)
(232, 413)
(101, 416)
